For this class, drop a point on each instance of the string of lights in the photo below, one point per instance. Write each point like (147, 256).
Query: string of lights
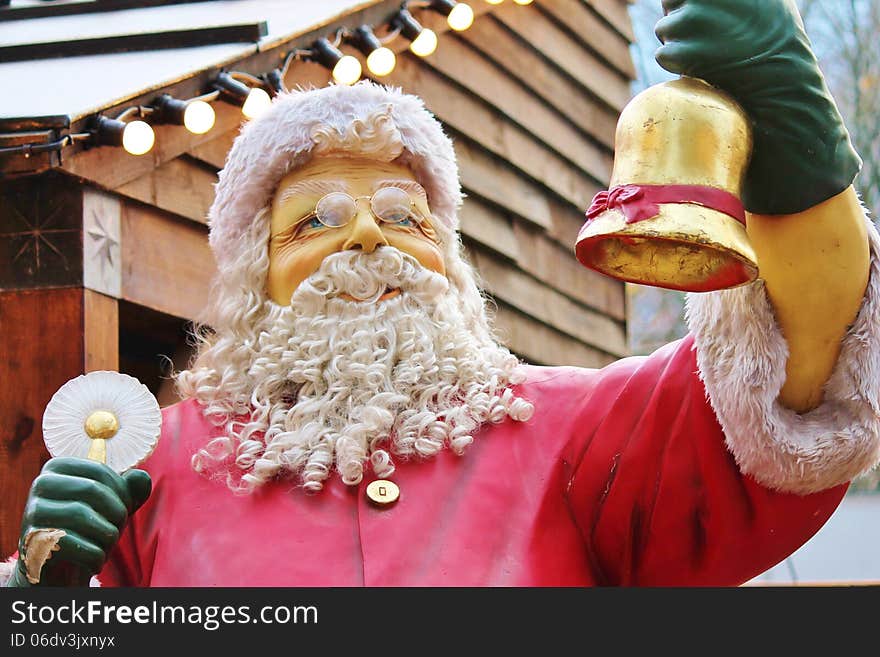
(132, 129)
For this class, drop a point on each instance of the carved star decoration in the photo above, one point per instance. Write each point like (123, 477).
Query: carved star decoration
(106, 243)
(36, 235)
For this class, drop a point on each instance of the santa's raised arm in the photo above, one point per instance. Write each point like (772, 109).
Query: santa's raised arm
(350, 418)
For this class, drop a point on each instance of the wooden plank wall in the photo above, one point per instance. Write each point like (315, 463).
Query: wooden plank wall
(531, 97)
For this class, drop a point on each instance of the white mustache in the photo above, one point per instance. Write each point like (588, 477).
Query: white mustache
(367, 276)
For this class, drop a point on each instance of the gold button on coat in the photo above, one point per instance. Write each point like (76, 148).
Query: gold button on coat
(382, 492)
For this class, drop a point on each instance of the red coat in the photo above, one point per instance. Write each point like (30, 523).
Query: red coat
(621, 477)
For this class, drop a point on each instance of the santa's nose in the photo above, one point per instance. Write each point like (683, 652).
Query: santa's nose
(366, 233)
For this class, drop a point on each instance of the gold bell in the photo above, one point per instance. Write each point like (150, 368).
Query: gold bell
(673, 216)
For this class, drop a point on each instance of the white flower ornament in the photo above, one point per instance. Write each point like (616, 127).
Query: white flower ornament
(105, 416)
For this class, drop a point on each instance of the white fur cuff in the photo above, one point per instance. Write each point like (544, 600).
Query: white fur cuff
(741, 355)
(6, 569)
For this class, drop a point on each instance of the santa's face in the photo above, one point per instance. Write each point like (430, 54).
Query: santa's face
(300, 238)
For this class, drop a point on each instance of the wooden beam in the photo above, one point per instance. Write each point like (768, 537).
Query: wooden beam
(532, 69)
(214, 152)
(493, 180)
(535, 252)
(567, 222)
(542, 303)
(570, 55)
(489, 226)
(40, 351)
(616, 14)
(539, 344)
(100, 331)
(556, 265)
(594, 30)
(184, 186)
(167, 264)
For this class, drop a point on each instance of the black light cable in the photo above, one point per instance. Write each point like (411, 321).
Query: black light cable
(26, 150)
(274, 79)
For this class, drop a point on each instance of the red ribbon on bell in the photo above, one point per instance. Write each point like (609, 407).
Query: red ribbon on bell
(642, 202)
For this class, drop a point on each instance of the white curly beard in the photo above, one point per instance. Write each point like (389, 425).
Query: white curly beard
(332, 383)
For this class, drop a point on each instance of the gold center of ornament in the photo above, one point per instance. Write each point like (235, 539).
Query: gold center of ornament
(101, 424)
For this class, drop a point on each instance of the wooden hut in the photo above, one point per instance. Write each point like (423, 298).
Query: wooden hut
(104, 258)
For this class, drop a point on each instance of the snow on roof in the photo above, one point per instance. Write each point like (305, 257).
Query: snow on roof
(77, 86)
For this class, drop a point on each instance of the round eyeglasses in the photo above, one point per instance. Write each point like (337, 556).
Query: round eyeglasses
(391, 205)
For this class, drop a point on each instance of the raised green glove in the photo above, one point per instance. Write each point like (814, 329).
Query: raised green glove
(91, 504)
(757, 51)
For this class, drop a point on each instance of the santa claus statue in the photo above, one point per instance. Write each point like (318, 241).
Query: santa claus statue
(351, 419)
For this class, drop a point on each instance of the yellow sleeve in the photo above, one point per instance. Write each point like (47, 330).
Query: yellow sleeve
(815, 268)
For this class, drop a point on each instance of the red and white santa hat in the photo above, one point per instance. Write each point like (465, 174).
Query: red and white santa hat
(284, 138)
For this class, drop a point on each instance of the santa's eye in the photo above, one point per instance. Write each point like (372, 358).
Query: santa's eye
(393, 206)
(308, 225)
(335, 209)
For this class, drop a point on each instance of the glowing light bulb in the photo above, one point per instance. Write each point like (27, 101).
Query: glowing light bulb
(347, 70)
(494, 2)
(424, 44)
(381, 61)
(461, 17)
(523, 2)
(257, 102)
(138, 137)
(198, 117)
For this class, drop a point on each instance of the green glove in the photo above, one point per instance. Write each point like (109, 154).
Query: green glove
(757, 51)
(91, 504)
